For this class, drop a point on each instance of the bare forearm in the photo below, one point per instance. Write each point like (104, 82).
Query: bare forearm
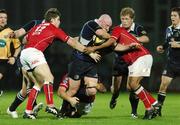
(65, 96)
(120, 47)
(143, 39)
(20, 32)
(17, 51)
(76, 45)
(110, 42)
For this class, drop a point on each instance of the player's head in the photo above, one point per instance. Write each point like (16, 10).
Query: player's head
(52, 15)
(3, 18)
(105, 21)
(175, 16)
(127, 16)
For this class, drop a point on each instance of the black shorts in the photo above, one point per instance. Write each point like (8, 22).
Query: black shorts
(171, 70)
(4, 66)
(119, 67)
(77, 69)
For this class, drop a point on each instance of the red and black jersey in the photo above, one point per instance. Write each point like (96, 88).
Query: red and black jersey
(42, 35)
(123, 37)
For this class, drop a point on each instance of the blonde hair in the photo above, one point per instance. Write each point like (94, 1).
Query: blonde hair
(128, 11)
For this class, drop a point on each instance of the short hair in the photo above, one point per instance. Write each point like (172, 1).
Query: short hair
(176, 9)
(3, 11)
(128, 11)
(51, 14)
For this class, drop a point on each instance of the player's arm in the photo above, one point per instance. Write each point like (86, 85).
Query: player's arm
(143, 39)
(17, 47)
(142, 35)
(120, 47)
(75, 44)
(62, 93)
(23, 30)
(102, 33)
(174, 44)
(162, 48)
(109, 42)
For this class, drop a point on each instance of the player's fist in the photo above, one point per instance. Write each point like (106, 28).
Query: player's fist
(160, 49)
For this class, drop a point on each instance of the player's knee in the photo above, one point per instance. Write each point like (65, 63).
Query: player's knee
(91, 91)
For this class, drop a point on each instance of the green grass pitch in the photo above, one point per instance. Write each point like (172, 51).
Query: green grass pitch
(100, 115)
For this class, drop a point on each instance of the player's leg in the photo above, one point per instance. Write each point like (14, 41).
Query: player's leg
(134, 100)
(139, 69)
(1, 91)
(91, 83)
(143, 95)
(115, 89)
(45, 79)
(165, 81)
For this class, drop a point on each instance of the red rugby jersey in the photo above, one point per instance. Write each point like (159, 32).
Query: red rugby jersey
(123, 37)
(42, 35)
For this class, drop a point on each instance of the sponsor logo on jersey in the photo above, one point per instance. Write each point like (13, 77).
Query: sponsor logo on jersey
(2, 43)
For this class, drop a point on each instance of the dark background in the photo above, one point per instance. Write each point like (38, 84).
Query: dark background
(152, 14)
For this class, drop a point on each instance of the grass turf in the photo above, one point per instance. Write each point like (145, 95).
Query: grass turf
(101, 113)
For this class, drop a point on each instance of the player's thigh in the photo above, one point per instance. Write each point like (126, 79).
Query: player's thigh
(91, 83)
(43, 73)
(73, 86)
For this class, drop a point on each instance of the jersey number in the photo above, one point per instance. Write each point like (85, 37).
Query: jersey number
(40, 28)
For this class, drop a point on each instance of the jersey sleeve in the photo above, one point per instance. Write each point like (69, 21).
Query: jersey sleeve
(31, 24)
(167, 38)
(60, 34)
(64, 83)
(116, 33)
(93, 26)
(141, 31)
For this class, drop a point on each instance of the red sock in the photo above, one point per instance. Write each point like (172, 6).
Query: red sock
(32, 98)
(143, 96)
(151, 98)
(48, 90)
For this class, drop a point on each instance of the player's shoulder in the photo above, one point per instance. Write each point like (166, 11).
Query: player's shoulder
(6, 31)
(118, 27)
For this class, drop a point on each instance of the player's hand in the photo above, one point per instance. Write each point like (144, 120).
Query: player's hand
(95, 56)
(174, 44)
(160, 49)
(73, 101)
(89, 50)
(11, 60)
(10, 35)
(134, 46)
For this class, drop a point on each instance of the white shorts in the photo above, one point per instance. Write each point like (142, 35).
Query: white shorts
(31, 57)
(141, 67)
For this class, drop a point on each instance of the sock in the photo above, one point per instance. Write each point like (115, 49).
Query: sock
(115, 95)
(32, 98)
(161, 97)
(134, 100)
(28, 91)
(48, 90)
(17, 101)
(140, 92)
(151, 98)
